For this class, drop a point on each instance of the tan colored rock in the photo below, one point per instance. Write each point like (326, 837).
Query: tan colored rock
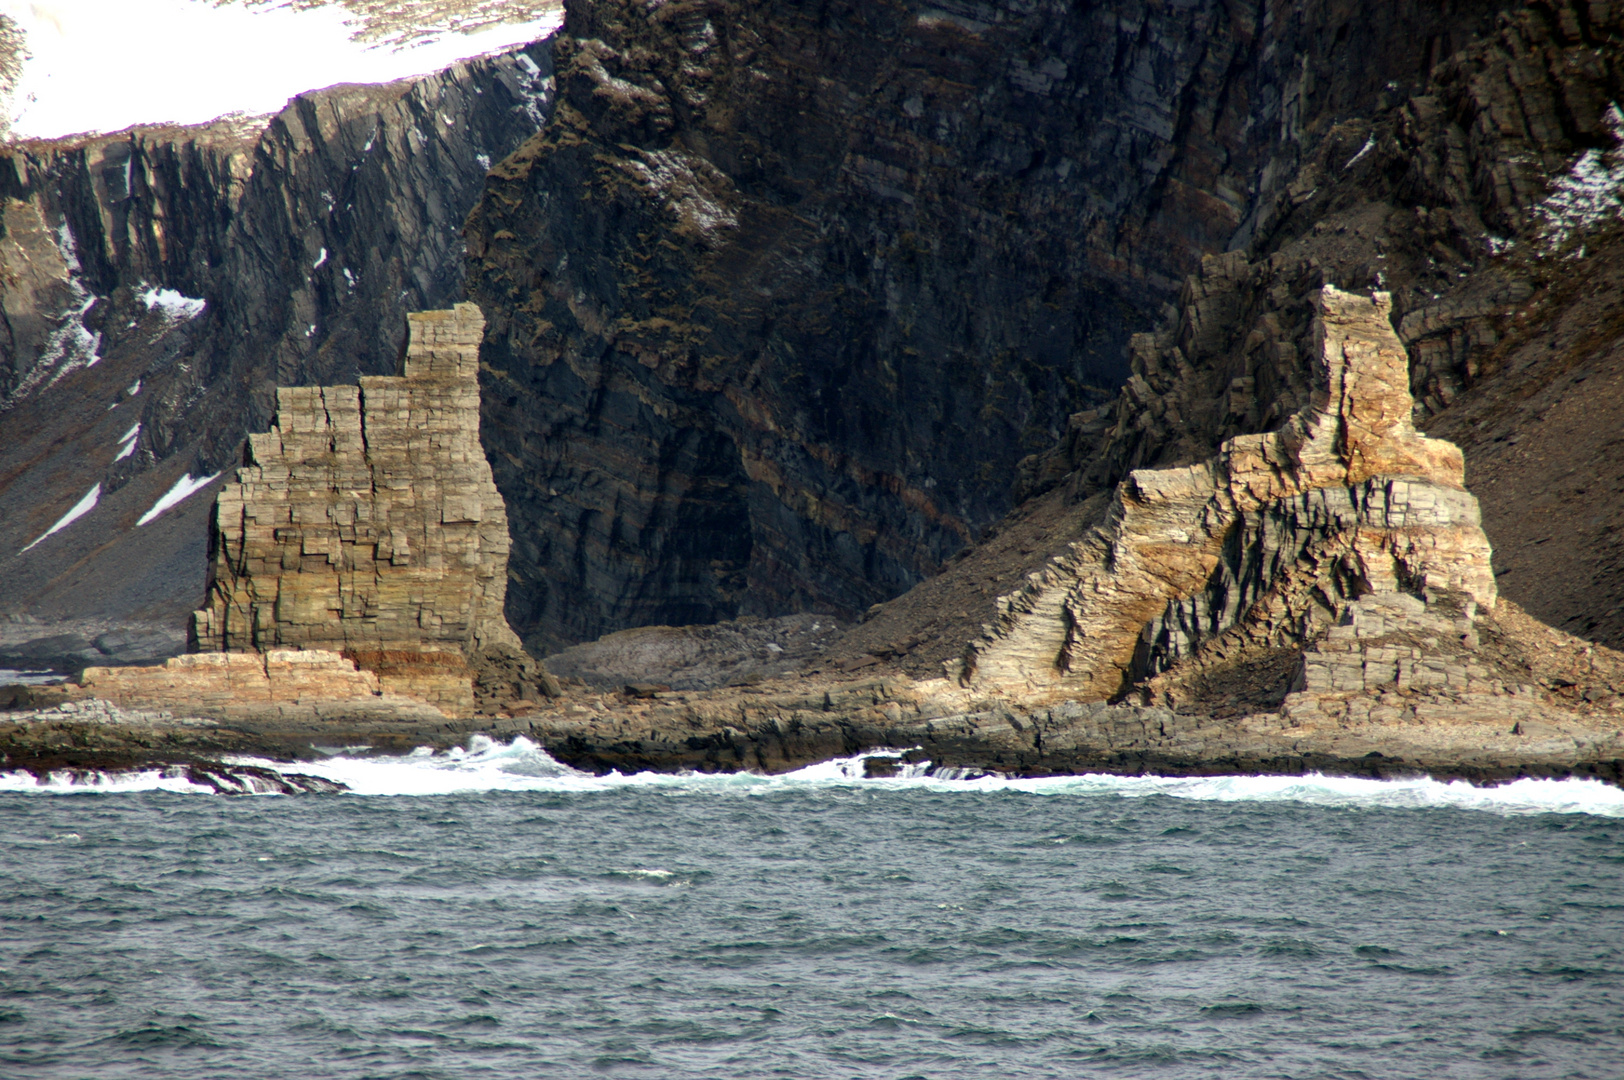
(1279, 534)
(366, 522)
(281, 682)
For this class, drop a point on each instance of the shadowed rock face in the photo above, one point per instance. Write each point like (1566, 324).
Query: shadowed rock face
(786, 290)
(1278, 535)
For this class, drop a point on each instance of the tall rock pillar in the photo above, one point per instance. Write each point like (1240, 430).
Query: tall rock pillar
(366, 522)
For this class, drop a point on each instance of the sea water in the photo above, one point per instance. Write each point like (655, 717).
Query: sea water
(491, 913)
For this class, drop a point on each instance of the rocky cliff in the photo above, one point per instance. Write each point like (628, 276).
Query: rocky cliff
(1487, 200)
(792, 301)
(787, 290)
(160, 284)
(1316, 598)
(358, 563)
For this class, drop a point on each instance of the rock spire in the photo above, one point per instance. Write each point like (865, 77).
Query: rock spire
(1272, 541)
(366, 522)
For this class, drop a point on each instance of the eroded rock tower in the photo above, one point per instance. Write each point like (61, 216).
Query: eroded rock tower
(366, 522)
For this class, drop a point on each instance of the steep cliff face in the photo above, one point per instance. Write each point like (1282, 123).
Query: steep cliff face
(1428, 197)
(161, 283)
(787, 290)
(1267, 544)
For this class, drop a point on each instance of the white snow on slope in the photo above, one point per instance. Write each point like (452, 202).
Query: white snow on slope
(1370, 144)
(184, 488)
(126, 445)
(103, 65)
(172, 303)
(1590, 193)
(80, 509)
(71, 345)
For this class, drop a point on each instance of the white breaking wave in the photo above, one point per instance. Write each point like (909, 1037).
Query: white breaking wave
(489, 766)
(64, 784)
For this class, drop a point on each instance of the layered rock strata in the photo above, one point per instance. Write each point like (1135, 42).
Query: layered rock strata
(1279, 534)
(290, 684)
(787, 289)
(1316, 598)
(1486, 199)
(366, 522)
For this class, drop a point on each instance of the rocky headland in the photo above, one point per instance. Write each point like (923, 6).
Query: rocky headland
(1318, 597)
(1201, 387)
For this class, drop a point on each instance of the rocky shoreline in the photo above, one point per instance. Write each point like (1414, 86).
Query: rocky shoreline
(1319, 598)
(791, 723)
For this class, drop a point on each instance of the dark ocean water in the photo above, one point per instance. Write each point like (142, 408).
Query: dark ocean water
(551, 925)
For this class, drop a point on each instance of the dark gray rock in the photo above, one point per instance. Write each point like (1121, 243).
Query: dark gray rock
(787, 290)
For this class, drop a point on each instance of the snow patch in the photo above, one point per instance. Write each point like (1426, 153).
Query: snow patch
(135, 388)
(184, 488)
(80, 509)
(181, 61)
(71, 345)
(1589, 194)
(1370, 144)
(319, 260)
(172, 303)
(126, 445)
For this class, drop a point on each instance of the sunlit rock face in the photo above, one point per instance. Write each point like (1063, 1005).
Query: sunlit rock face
(175, 278)
(1274, 539)
(366, 522)
(285, 684)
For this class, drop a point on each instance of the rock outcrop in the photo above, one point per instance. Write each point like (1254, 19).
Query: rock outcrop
(1276, 538)
(359, 562)
(161, 283)
(291, 684)
(1317, 598)
(1488, 200)
(366, 522)
(786, 290)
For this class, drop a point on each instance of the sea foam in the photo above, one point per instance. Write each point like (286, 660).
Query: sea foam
(487, 765)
